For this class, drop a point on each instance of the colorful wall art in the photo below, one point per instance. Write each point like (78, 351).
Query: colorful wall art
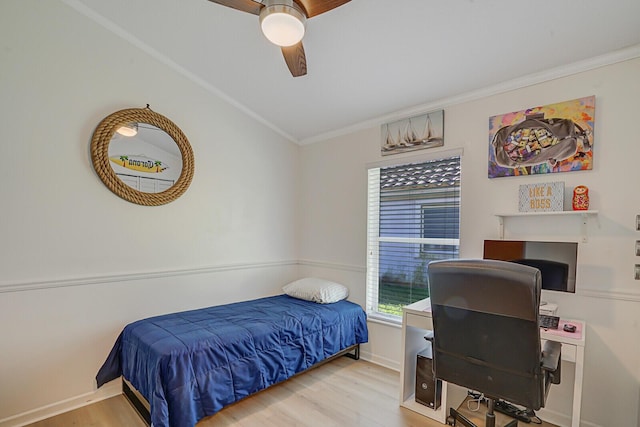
(547, 139)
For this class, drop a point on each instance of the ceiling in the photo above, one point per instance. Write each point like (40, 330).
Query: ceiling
(370, 59)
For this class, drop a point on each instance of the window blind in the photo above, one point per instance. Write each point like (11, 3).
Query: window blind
(413, 218)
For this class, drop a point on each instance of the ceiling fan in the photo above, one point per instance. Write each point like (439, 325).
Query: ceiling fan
(283, 23)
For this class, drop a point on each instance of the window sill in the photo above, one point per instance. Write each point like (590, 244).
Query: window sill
(395, 322)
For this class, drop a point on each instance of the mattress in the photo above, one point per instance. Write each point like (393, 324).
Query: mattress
(189, 365)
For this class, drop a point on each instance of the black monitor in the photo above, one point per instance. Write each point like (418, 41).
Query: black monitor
(555, 260)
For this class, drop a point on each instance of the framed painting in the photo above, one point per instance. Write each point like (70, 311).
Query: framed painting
(414, 133)
(547, 139)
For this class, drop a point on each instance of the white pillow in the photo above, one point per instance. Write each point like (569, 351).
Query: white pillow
(317, 290)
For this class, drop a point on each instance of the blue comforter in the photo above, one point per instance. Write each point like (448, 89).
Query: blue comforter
(190, 365)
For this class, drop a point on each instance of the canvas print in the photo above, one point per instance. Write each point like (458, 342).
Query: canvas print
(547, 139)
(414, 133)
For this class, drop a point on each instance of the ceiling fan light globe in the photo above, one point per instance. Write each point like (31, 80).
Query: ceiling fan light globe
(129, 129)
(282, 25)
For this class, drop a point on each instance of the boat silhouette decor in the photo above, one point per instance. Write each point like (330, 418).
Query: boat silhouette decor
(414, 133)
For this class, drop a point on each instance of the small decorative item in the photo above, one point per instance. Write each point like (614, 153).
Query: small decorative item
(547, 197)
(580, 198)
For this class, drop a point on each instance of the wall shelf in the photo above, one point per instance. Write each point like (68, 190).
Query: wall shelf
(584, 215)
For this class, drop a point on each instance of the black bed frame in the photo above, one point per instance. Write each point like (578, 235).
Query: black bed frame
(142, 407)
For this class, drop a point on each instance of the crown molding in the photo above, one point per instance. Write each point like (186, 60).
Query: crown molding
(111, 26)
(621, 55)
(610, 58)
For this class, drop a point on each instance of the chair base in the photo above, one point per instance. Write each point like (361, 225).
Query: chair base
(456, 417)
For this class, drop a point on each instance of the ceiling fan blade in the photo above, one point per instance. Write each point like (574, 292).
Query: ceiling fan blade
(250, 6)
(295, 59)
(316, 7)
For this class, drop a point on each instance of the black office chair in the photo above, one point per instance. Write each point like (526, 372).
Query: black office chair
(486, 332)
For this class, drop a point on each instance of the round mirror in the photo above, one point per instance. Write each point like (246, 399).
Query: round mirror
(142, 156)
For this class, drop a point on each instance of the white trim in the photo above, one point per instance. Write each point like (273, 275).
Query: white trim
(421, 240)
(621, 55)
(92, 280)
(417, 158)
(583, 292)
(107, 391)
(556, 418)
(610, 58)
(612, 295)
(389, 320)
(332, 265)
(379, 360)
(121, 32)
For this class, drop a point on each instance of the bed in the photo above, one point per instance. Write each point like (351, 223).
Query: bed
(189, 365)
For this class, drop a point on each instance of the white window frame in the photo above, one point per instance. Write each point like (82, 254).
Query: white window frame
(374, 240)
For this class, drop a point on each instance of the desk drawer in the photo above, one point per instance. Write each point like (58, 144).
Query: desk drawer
(568, 351)
(418, 321)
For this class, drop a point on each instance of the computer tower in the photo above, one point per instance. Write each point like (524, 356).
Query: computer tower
(428, 389)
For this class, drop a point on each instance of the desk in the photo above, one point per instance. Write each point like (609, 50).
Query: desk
(416, 319)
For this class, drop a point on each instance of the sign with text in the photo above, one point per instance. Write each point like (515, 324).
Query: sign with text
(546, 197)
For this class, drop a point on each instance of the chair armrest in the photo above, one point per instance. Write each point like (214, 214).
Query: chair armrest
(551, 354)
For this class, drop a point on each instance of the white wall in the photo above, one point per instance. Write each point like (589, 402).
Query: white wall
(333, 240)
(78, 262)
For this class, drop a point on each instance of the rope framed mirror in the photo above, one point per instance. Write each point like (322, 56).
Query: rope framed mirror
(142, 156)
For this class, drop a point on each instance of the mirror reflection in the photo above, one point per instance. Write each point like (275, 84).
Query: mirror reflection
(145, 157)
(142, 156)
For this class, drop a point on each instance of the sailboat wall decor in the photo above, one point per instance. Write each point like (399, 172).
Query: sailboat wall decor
(413, 133)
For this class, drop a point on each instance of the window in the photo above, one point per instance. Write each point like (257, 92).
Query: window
(413, 218)
(146, 185)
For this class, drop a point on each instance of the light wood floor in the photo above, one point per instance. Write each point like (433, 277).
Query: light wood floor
(112, 412)
(340, 393)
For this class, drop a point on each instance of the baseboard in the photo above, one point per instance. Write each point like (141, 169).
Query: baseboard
(562, 420)
(111, 389)
(378, 360)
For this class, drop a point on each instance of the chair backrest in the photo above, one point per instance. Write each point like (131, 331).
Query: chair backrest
(486, 333)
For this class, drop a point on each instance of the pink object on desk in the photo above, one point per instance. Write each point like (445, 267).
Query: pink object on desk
(561, 332)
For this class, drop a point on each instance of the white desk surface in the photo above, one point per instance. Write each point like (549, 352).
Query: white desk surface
(423, 307)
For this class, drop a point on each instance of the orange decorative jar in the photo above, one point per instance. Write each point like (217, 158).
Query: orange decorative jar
(580, 198)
